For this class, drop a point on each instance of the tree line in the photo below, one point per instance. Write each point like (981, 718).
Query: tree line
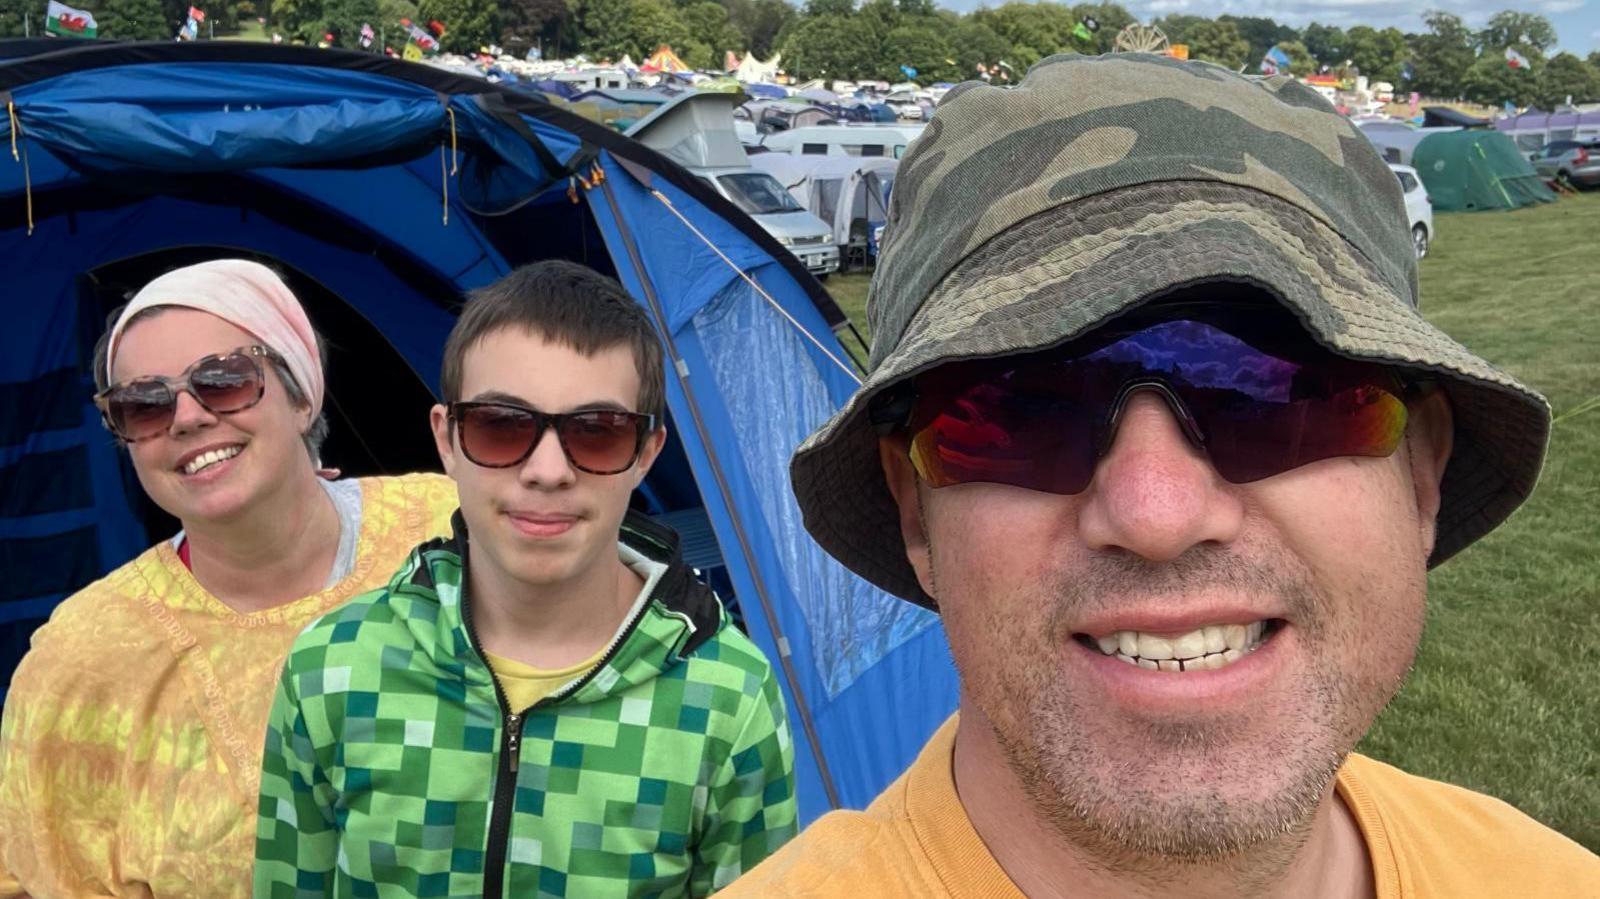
(886, 39)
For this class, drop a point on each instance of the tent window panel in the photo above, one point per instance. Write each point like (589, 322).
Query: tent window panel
(1561, 134)
(827, 199)
(1530, 140)
(52, 401)
(40, 483)
(48, 566)
(872, 149)
(813, 149)
(769, 380)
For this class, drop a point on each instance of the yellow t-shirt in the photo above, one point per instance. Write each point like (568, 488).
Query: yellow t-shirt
(524, 685)
(1425, 839)
(130, 752)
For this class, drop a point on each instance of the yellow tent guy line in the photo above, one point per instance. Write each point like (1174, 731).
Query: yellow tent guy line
(27, 176)
(751, 281)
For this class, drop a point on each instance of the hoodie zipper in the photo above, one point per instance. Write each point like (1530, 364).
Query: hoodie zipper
(505, 781)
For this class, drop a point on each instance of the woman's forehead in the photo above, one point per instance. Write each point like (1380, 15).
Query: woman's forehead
(170, 339)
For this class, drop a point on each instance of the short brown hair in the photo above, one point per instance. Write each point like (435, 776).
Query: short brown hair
(564, 303)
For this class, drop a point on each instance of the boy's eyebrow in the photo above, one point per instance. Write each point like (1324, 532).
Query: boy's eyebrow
(500, 396)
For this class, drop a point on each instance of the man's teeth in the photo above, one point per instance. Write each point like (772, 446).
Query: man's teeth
(206, 460)
(1207, 647)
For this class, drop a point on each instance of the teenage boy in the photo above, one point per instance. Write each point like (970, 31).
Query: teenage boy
(553, 705)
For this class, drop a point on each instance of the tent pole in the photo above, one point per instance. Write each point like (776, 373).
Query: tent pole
(674, 361)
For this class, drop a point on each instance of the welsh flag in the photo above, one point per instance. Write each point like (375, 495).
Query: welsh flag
(64, 21)
(1516, 60)
(426, 43)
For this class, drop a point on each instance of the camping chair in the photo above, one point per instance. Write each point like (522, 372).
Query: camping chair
(855, 255)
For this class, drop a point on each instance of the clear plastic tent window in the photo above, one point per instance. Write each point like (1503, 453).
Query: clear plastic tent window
(853, 624)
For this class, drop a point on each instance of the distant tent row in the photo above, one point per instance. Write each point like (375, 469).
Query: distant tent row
(1535, 128)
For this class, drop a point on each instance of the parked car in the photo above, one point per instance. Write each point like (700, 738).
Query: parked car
(699, 132)
(765, 200)
(1570, 162)
(1419, 209)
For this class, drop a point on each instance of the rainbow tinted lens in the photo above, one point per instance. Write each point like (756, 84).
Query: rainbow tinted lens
(1042, 421)
(145, 407)
(500, 435)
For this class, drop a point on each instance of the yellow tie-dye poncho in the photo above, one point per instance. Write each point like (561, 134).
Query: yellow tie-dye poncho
(130, 752)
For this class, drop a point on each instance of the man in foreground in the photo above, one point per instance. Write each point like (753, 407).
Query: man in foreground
(554, 706)
(1155, 423)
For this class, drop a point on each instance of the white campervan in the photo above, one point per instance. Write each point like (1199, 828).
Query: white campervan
(697, 131)
(889, 141)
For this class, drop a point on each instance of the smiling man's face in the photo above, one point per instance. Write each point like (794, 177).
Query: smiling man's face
(1298, 599)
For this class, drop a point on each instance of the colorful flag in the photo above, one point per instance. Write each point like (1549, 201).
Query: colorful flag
(1275, 61)
(367, 37)
(412, 52)
(64, 21)
(1516, 60)
(1081, 32)
(426, 43)
(908, 71)
(436, 26)
(191, 27)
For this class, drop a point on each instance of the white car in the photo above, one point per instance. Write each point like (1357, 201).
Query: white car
(1419, 209)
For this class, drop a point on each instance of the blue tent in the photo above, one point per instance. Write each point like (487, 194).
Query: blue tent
(384, 189)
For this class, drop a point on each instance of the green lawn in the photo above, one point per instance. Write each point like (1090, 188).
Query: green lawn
(249, 30)
(1505, 697)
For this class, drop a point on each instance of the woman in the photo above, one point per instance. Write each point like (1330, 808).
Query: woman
(131, 745)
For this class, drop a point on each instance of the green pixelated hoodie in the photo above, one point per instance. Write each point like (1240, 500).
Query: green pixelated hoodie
(393, 767)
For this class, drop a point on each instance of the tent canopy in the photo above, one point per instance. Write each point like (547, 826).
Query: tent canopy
(1477, 169)
(384, 190)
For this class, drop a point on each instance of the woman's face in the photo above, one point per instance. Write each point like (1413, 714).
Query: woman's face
(206, 467)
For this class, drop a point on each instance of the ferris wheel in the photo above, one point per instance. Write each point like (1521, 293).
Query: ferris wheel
(1137, 38)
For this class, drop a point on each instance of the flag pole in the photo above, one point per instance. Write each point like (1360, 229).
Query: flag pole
(27, 24)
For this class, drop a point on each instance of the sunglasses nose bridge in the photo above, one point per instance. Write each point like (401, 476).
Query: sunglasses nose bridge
(1160, 387)
(197, 407)
(546, 427)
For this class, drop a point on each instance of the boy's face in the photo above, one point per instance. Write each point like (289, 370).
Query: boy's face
(543, 523)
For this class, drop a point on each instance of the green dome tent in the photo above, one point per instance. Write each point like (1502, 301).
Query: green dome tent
(1477, 169)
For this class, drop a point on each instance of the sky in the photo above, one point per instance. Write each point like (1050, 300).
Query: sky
(1577, 22)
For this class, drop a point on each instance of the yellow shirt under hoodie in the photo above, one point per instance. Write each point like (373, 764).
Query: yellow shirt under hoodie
(130, 752)
(1426, 839)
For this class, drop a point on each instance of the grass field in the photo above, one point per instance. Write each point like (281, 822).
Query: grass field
(1505, 697)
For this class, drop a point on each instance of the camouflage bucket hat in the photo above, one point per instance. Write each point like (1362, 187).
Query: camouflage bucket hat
(1026, 217)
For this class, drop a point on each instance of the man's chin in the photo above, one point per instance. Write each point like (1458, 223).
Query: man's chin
(1198, 797)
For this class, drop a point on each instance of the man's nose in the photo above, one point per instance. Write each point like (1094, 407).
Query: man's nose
(1155, 494)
